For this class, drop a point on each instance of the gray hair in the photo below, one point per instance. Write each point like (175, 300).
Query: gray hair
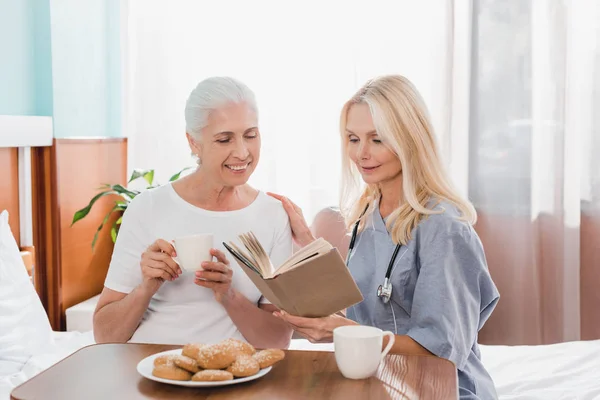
(211, 94)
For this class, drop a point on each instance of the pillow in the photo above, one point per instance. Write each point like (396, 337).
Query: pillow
(24, 326)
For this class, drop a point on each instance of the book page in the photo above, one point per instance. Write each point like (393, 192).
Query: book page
(258, 253)
(260, 260)
(264, 257)
(314, 249)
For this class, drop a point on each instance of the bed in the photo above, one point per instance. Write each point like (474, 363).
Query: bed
(28, 345)
(560, 371)
(64, 344)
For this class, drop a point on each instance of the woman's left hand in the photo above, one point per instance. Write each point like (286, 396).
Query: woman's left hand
(301, 232)
(316, 330)
(216, 276)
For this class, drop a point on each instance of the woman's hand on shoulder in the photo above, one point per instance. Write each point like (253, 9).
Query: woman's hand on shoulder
(300, 230)
(158, 265)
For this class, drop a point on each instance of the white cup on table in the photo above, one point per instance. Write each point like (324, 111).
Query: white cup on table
(358, 349)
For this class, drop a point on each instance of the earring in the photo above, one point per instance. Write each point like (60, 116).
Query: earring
(196, 158)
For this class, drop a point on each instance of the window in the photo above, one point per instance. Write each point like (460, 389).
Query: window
(501, 109)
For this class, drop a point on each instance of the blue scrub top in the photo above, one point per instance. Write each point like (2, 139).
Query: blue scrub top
(442, 291)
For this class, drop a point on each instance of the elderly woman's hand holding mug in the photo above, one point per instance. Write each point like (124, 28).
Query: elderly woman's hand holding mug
(216, 275)
(158, 266)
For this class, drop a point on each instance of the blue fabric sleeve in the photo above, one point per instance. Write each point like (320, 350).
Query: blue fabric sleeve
(453, 283)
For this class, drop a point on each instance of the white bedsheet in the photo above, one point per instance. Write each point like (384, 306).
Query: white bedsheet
(565, 371)
(65, 343)
(562, 371)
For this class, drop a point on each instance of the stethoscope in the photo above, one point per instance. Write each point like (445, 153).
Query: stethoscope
(384, 292)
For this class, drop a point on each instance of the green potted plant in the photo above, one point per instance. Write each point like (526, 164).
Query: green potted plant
(125, 197)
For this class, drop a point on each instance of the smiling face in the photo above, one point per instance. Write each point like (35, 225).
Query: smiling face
(376, 162)
(229, 147)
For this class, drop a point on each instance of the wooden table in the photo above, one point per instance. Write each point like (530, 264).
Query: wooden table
(108, 371)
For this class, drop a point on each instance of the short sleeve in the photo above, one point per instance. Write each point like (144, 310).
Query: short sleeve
(282, 246)
(452, 292)
(124, 273)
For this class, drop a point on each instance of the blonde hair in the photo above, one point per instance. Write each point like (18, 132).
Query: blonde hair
(400, 118)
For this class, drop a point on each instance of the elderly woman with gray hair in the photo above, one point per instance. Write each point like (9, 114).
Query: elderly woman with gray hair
(146, 297)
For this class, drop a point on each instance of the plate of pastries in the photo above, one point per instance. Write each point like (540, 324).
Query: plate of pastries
(197, 365)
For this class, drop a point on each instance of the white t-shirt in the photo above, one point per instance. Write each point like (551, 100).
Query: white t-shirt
(182, 312)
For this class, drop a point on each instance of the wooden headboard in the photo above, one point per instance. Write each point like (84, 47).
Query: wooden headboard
(9, 200)
(65, 270)
(42, 190)
(9, 187)
(20, 137)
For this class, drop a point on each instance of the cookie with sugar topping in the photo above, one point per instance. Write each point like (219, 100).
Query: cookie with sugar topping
(217, 356)
(244, 365)
(239, 346)
(191, 350)
(172, 372)
(187, 363)
(212, 375)
(164, 359)
(268, 357)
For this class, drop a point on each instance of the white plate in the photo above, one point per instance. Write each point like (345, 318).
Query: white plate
(145, 367)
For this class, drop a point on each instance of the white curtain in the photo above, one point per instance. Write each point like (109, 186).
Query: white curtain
(533, 164)
(303, 60)
(513, 89)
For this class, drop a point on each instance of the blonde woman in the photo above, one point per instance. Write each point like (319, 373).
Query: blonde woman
(416, 258)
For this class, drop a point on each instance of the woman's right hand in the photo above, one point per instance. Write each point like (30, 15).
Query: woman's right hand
(300, 231)
(158, 265)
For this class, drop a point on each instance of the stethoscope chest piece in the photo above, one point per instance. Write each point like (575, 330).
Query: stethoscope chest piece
(385, 291)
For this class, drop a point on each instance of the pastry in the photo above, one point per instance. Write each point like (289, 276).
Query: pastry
(239, 346)
(218, 356)
(189, 364)
(244, 365)
(191, 350)
(172, 372)
(212, 375)
(164, 359)
(268, 357)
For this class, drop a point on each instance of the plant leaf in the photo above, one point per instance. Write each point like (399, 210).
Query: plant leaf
(147, 174)
(122, 191)
(123, 203)
(86, 210)
(102, 226)
(113, 232)
(177, 175)
(149, 177)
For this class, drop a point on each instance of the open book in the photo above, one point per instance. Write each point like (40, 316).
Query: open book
(313, 282)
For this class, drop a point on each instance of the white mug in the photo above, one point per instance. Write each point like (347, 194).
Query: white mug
(358, 349)
(193, 250)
